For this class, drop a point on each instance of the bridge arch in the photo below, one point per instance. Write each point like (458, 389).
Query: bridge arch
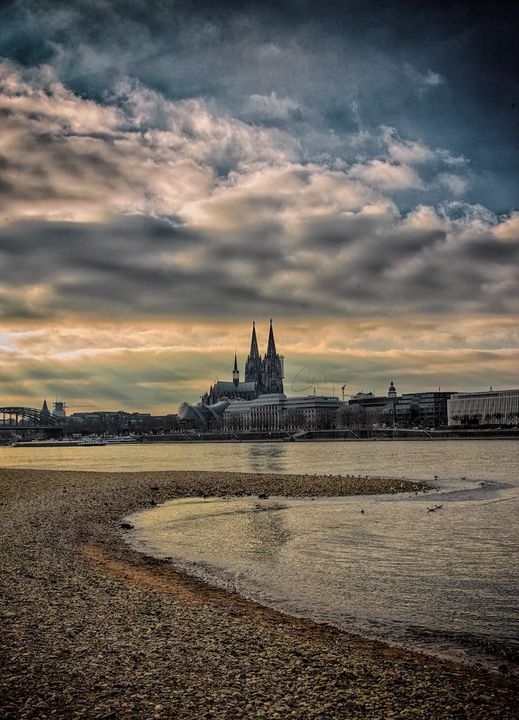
(26, 417)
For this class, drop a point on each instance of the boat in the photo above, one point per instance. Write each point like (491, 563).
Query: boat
(113, 439)
(92, 441)
(83, 442)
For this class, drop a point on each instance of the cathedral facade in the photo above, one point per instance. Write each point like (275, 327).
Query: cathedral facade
(263, 375)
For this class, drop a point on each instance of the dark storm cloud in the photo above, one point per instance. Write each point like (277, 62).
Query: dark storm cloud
(176, 158)
(48, 246)
(442, 74)
(145, 266)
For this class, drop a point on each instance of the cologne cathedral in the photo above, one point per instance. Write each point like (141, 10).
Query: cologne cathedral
(263, 376)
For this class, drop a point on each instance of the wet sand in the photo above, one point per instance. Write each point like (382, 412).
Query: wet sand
(92, 629)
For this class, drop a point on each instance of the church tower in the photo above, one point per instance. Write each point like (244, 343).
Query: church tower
(253, 362)
(272, 367)
(45, 412)
(262, 375)
(235, 371)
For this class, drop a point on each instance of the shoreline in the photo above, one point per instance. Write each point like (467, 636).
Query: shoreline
(93, 629)
(255, 436)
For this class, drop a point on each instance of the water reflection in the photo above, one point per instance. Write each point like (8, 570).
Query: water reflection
(267, 457)
(383, 565)
(267, 531)
(481, 459)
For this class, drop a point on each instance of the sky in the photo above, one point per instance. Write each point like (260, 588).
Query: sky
(171, 171)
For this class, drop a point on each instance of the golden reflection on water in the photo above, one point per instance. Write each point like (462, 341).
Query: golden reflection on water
(445, 563)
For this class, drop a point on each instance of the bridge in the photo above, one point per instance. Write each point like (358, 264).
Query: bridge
(24, 418)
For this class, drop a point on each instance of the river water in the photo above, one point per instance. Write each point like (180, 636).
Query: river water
(477, 459)
(437, 571)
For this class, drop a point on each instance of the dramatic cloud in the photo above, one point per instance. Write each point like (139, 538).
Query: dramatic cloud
(67, 158)
(164, 171)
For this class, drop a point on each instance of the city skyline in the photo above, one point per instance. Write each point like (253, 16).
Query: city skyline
(350, 172)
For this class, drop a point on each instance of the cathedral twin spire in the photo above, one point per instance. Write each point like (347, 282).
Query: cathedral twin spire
(262, 375)
(271, 347)
(267, 373)
(254, 352)
(235, 371)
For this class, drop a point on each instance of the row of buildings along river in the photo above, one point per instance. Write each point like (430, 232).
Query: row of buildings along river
(258, 403)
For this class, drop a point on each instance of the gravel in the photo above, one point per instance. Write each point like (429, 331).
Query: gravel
(92, 629)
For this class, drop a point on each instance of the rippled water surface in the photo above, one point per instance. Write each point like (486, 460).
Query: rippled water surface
(438, 571)
(482, 459)
(444, 580)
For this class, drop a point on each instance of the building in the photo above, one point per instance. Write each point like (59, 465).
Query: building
(368, 410)
(259, 403)
(274, 411)
(109, 421)
(419, 409)
(494, 407)
(59, 411)
(422, 409)
(202, 416)
(262, 375)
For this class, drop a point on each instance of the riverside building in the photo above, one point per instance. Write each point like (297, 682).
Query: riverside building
(426, 409)
(493, 407)
(263, 376)
(259, 403)
(275, 411)
(418, 409)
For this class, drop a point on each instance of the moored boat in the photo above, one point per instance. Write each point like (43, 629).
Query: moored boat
(84, 442)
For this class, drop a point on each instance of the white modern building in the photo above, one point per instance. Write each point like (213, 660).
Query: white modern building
(275, 411)
(494, 407)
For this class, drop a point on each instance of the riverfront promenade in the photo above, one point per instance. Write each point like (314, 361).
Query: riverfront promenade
(91, 629)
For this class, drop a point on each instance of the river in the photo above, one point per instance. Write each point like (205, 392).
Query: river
(476, 459)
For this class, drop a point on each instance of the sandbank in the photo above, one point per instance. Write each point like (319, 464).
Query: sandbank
(92, 629)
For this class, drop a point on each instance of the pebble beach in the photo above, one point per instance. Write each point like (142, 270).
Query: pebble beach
(92, 629)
